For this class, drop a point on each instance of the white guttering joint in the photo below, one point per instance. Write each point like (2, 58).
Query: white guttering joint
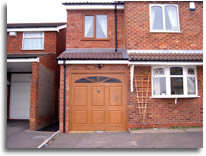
(94, 62)
(23, 60)
(131, 77)
(94, 7)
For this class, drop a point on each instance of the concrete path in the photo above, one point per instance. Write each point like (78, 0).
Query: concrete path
(19, 137)
(193, 139)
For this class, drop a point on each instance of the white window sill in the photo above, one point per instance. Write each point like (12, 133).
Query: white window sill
(32, 49)
(152, 31)
(174, 97)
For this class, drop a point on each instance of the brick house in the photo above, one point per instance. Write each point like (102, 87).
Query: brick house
(33, 72)
(132, 64)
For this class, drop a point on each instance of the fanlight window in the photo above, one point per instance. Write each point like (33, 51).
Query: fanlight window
(98, 79)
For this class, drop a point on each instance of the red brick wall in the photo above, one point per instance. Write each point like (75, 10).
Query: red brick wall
(138, 35)
(163, 112)
(36, 122)
(14, 44)
(75, 30)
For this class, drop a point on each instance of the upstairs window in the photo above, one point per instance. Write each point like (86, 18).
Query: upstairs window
(164, 18)
(95, 27)
(33, 41)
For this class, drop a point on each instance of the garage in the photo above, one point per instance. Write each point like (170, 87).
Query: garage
(20, 96)
(98, 102)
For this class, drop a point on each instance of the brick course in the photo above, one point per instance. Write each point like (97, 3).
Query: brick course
(14, 44)
(138, 35)
(75, 28)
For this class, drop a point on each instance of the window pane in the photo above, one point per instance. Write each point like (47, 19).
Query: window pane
(176, 85)
(33, 43)
(93, 78)
(101, 26)
(159, 86)
(33, 34)
(191, 71)
(112, 80)
(191, 87)
(171, 18)
(156, 18)
(158, 71)
(83, 80)
(176, 71)
(89, 26)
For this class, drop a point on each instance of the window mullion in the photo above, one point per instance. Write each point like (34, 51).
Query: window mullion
(163, 16)
(185, 80)
(168, 86)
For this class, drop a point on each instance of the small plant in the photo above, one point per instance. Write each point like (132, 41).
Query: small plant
(136, 128)
(182, 127)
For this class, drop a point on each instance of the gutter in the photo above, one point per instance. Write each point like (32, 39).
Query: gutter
(115, 23)
(64, 108)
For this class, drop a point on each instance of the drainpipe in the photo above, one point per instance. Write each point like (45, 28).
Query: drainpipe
(64, 108)
(115, 12)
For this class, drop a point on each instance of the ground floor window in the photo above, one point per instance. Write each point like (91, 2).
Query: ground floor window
(174, 81)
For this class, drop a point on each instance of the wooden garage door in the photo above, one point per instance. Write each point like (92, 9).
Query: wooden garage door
(98, 102)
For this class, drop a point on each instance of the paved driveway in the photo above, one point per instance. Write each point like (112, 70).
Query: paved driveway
(18, 135)
(128, 140)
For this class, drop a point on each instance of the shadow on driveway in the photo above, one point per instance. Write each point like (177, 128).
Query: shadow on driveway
(18, 135)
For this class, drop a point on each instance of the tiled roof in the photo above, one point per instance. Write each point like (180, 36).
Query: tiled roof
(91, 56)
(165, 56)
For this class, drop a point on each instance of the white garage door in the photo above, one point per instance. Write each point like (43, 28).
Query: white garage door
(20, 96)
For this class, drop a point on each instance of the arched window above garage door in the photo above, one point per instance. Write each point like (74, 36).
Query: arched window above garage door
(98, 79)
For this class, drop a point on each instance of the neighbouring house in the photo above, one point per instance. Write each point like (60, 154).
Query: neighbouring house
(131, 65)
(33, 72)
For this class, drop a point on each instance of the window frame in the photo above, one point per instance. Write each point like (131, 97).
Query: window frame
(163, 16)
(33, 37)
(168, 82)
(94, 23)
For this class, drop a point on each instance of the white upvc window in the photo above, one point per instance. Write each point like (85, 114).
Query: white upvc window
(174, 81)
(164, 18)
(96, 30)
(33, 41)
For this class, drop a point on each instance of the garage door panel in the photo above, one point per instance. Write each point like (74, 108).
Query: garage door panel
(115, 96)
(115, 117)
(80, 96)
(80, 117)
(98, 105)
(98, 117)
(98, 96)
(20, 100)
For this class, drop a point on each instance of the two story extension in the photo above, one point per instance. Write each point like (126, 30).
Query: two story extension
(131, 65)
(33, 73)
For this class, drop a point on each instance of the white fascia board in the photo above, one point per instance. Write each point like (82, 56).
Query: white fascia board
(23, 60)
(33, 29)
(166, 63)
(94, 62)
(94, 7)
(165, 51)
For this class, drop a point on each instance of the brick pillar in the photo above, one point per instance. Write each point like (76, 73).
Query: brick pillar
(34, 97)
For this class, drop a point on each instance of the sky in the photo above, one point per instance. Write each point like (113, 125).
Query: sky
(37, 11)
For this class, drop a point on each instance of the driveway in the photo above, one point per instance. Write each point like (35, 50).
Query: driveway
(18, 135)
(128, 140)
